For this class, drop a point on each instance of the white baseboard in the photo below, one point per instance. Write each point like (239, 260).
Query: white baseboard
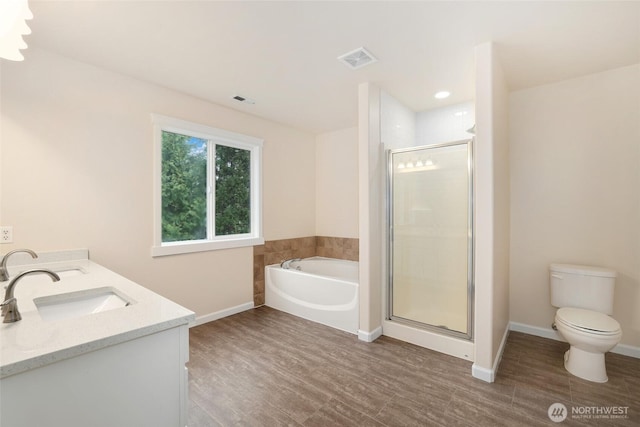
(370, 336)
(535, 330)
(624, 349)
(627, 350)
(503, 344)
(222, 313)
(484, 374)
(489, 375)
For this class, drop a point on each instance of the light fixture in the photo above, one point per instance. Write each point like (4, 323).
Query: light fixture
(13, 25)
(442, 94)
(417, 165)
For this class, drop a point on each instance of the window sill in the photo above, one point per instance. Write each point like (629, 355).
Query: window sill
(200, 246)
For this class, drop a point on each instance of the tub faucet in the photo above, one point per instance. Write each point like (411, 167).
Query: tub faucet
(287, 263)
(10, 304)
(4, 274)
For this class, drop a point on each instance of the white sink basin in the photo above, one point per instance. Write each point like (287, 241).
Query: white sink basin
(80, 303)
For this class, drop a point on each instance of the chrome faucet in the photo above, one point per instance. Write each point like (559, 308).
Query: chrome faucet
(10, 304)
(286, 264)
(4, 275)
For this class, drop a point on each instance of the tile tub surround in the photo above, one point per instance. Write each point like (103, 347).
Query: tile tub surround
(276, 251)
(33, 342)
(263, 367)
(337, 247)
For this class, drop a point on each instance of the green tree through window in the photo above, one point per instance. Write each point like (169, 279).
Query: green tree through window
(233, 191)
(184, 188)
(207, 188)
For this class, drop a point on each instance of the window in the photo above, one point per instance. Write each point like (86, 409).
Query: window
(207, 188)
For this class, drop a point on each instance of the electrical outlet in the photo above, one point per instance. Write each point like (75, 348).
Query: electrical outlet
(6, 234)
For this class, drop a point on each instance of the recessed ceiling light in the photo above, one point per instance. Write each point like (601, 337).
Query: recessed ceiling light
(442, 94)
(357, 58)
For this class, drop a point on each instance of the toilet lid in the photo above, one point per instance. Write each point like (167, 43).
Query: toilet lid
(588, 320)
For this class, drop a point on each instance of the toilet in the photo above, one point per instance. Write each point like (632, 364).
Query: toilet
(584, 297)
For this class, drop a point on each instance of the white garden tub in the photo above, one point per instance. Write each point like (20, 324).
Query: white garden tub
(324, 290)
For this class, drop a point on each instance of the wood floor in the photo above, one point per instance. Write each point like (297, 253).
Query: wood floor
(263, 367)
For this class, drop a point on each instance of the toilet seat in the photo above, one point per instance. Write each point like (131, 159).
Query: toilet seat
(588, 321)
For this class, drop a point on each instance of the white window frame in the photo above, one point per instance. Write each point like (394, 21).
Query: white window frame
(224, 137)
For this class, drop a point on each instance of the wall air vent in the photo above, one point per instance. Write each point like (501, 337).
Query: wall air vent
(357, 58)
(244, 99)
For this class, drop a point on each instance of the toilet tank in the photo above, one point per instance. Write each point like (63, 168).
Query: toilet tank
(582, 286)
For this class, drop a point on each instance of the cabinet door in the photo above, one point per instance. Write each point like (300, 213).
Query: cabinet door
(142, 382)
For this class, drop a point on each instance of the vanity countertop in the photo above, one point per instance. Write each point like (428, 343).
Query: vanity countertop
(33, 342)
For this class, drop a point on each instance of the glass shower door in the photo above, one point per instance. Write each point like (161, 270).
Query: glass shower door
(430, 237)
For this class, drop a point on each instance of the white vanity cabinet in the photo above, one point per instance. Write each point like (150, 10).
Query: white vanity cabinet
(122, 367)
(142, 382)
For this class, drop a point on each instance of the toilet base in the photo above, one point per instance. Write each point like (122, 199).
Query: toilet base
(586, 365)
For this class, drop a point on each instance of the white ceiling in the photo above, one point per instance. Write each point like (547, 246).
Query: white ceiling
(283, 54)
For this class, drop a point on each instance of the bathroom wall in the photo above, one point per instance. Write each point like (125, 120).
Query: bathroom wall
(77, 166)
(491, 213)
(401, 127)
(575, 198)
(445, 124)
(398, 123)
(370, 211)
(337, 183)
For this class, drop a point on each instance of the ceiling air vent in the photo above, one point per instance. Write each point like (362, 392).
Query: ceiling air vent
(357, 58)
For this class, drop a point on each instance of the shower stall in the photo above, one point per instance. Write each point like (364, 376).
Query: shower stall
(430, 238)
